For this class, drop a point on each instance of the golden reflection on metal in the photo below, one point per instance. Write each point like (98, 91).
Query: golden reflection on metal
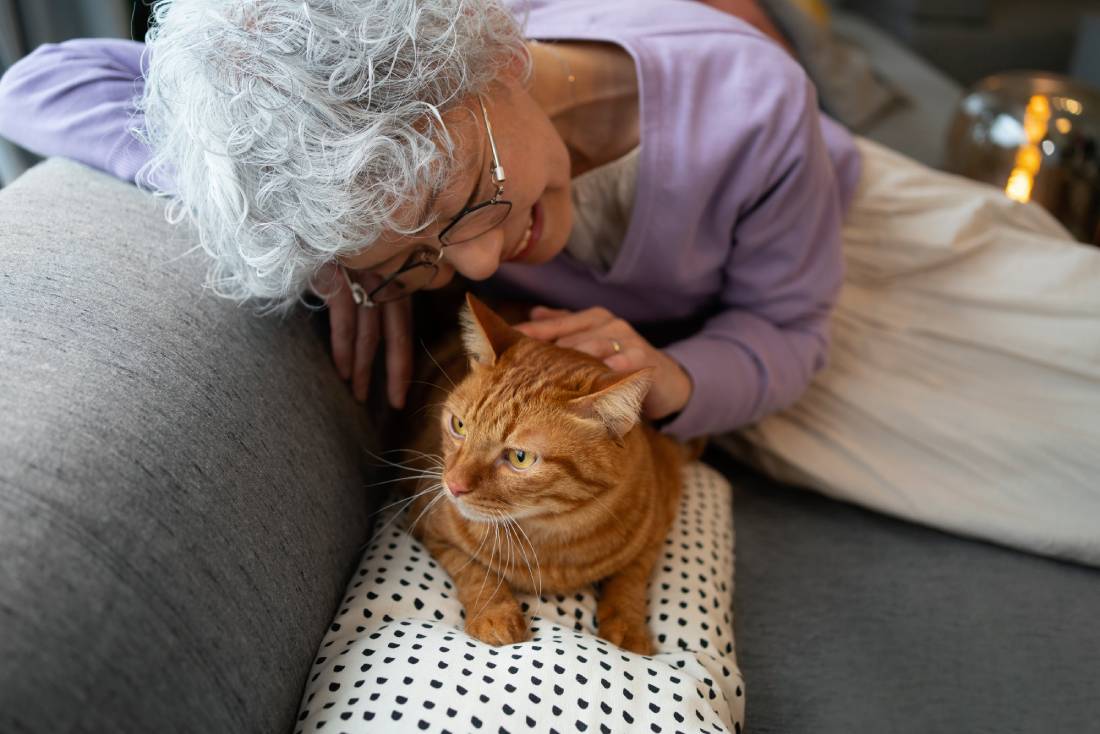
(1028, 158)
(1035, 136)
(1068, 104)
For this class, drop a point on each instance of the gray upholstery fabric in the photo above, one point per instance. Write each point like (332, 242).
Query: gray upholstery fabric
(847, 621)
(181, 481)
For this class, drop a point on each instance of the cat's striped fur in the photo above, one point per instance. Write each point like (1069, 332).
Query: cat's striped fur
(595, 505)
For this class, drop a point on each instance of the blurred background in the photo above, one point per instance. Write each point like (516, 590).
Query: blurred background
(925, 77)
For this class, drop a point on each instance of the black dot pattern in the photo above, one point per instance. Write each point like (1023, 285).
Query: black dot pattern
(396, 659)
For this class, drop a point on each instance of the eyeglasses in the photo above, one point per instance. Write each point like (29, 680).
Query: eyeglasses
(421, 266)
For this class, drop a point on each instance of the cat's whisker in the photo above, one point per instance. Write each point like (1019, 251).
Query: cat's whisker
(476, 554)
(398, 513)
(489, 568)
(426, 474)
(434, 458)
(418, 459)
(418, 411)
(387, 462)
(531, 545)
(427, 507)
(404, 499)
(500, 576)
(534, 554)
(437, 364)
(535, 584)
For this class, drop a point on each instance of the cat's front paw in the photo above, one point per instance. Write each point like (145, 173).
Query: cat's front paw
(625, 631)
(502, 624)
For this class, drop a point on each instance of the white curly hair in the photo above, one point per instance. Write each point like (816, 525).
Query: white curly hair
(293, 131)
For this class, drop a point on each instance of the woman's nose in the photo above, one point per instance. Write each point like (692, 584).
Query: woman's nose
(480, 257)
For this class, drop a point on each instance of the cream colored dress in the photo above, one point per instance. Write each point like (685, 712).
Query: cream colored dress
(963, 385)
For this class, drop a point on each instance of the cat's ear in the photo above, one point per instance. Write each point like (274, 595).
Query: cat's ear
(485, 334)
(618, 401)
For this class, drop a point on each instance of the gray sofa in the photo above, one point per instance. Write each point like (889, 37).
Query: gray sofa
(182, 498)
(183, 495)
(181, 482)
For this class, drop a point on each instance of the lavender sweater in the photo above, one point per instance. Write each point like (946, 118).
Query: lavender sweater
(741, 189)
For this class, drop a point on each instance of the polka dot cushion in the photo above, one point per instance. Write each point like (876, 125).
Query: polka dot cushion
(396, 658)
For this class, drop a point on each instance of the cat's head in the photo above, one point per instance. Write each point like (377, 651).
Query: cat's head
(534, 428)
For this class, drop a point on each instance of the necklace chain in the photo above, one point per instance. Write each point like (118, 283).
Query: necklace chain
(566, 69)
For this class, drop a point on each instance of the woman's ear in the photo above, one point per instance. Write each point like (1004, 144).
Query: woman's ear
(515, 68)
(485, 334)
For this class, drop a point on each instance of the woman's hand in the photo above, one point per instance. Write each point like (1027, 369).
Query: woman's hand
(597, 331)
(356, 333)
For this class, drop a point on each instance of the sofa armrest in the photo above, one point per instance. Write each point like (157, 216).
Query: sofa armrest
(181, 481)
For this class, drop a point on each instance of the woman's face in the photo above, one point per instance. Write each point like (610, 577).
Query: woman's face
(536, 167)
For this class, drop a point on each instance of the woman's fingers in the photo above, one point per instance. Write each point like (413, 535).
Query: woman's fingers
(627, 360)
(397, 321)
(598, 346)
(602, 338)
(342, 319)
(368, 333)
(545, 312)
(565, 323)
(598, 332)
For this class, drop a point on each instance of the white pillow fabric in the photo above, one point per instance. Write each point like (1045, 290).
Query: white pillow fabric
(396, 658)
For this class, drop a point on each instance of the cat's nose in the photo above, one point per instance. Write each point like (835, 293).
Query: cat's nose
(455, 486)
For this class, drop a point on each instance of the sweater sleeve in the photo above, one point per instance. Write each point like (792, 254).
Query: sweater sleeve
(769, 335)
(76, 99)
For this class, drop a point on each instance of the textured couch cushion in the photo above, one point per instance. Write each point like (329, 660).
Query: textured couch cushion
(180, 480)
(848, 621)
(396, 658)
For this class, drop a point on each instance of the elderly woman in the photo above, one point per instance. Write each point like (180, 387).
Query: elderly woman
(627, 163)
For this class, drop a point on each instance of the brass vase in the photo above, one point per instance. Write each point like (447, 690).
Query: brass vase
(1037, 137)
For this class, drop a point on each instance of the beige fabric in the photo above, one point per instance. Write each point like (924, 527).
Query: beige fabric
(602, 201)
(963, 389)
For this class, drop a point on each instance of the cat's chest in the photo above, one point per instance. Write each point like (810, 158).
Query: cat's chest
(533, 560)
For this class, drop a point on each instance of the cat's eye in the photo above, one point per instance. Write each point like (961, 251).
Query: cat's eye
(519, 458)
(458, 428)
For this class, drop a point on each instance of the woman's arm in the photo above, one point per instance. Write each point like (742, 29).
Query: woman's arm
(76, 99)
(751, 12)
(784, 271)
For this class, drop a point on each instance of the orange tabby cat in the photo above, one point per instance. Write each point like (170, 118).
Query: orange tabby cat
(548, 482)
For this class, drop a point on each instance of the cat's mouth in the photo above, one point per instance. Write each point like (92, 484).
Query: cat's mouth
(470, 513)
(496, 516)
